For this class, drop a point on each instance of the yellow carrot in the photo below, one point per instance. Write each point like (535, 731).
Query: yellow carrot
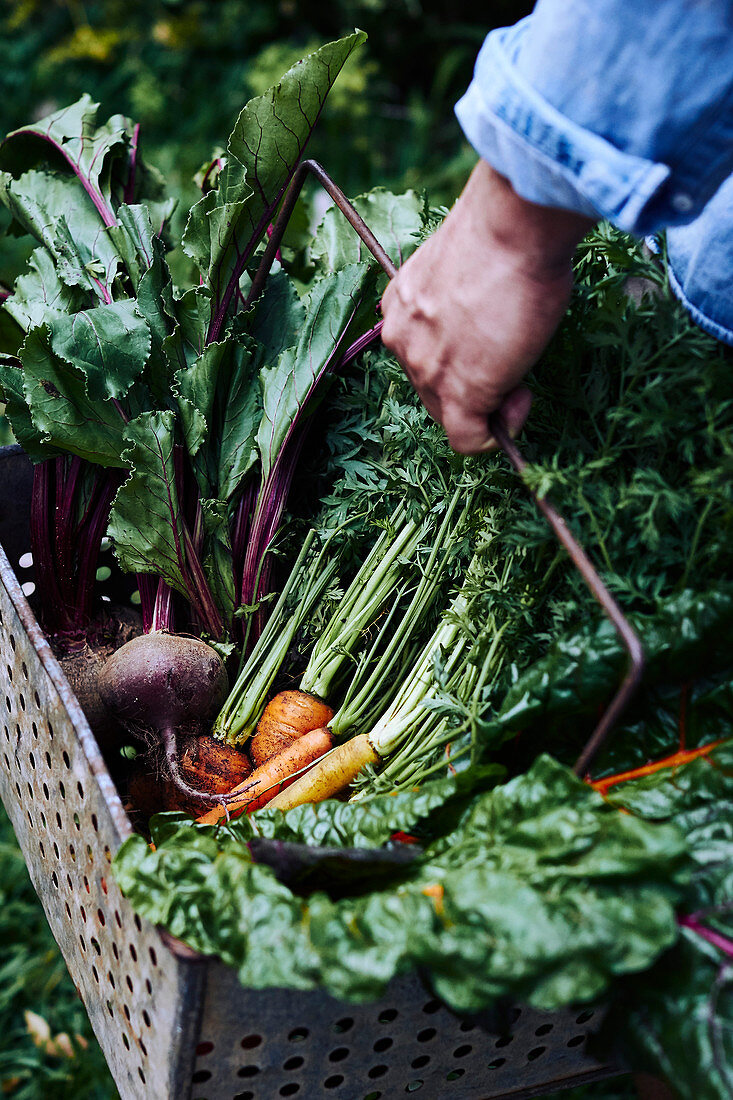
(330, 775)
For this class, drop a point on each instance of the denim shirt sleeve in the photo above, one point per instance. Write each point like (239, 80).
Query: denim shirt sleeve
(609, 107)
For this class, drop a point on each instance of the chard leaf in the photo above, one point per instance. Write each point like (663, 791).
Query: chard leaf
(676, 1020)
(39, 293)
(71, 140)
(61, 408)
(289, 384)
(146, 522)
(263, 151)
(541, 892)
(395, 220)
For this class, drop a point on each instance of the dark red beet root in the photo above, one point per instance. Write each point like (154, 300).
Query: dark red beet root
(161, 683)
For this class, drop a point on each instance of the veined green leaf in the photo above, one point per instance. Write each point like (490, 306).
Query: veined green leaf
(110, 345)
(39, 293)
(395, 220)
(17, 411)
(57, 213)
(290, 382)
(70, 139)
(264, 148)
(61, 409)
(146, 525)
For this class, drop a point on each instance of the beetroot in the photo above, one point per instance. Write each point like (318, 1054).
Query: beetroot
(159, 684)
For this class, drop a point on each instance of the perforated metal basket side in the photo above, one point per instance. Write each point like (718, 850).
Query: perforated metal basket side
(143, 1001)
(263, 1045)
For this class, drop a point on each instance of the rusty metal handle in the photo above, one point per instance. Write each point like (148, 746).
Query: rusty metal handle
(498, 429)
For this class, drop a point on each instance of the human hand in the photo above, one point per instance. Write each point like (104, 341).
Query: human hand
(473, 308)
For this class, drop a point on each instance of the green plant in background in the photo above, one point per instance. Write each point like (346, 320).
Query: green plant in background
(33, 978)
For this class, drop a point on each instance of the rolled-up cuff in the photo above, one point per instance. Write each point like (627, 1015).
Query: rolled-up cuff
(547, 157)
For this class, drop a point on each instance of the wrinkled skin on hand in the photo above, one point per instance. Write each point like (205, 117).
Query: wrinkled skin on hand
(473, 308)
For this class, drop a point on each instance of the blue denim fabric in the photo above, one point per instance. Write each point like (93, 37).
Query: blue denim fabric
(624, 110)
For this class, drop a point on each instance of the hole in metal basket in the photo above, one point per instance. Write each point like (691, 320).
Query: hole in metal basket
(128, 982)
(125, 1041)
(293, 1063)
(200, 1076)
(504, 1041)
(244, 1096)
(377, 1071)
(248, 1071)
(339, 1054)
(153, 956)
(418, 1063)
(388, 1016)
(461, 1052)
(290, 1090)
(126, 1010)
(454, 1074)
(46, 795)
(251, 1041)
(343, 1024)
(298, 1035)
(201, 1049)
(65, 758)
(111, 979)
(62, 790)
(432, 1006)
(414, 1086)
(536, 1053)
(576, 1041)
(141, 1074)
(426, 1034)
(24, 669)
(96, 945)
(80, 789)
(383, 1044)
(544, 1030)
(77, 823)
(101, 917)
(133, 952)
(21, 699)
(497, 1063)
(584, 1017)
(83, 944)
(333, 1082)
(149, 987)
(32, 759)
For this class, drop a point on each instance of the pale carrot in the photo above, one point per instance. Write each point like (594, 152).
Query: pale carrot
(273, 776)
(329, 776)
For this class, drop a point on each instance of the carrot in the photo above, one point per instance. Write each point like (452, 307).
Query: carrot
(265, 782)
(329, 776)
(287, 717)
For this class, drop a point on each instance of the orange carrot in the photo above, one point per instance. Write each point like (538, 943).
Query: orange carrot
(265, 782)
(287, 716)
(330, 776)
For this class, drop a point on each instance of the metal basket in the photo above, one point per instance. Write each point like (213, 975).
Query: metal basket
(174, 1024)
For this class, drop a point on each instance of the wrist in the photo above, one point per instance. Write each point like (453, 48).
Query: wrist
(538, 240)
